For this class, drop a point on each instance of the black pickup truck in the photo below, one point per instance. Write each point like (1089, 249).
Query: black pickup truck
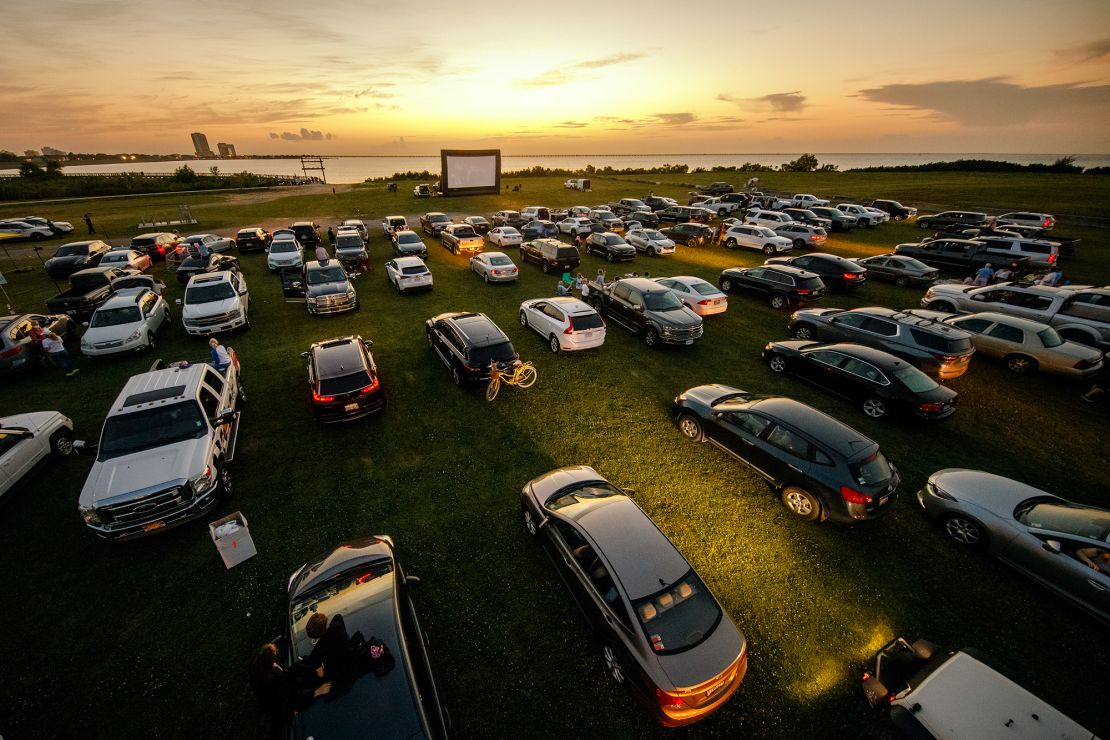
(963, 256)
(647, 309)
(87, 290)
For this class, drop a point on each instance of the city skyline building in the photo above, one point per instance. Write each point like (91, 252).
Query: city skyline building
(227, 151)
(200, 144)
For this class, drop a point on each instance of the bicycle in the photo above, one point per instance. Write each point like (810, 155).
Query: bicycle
(521, 374)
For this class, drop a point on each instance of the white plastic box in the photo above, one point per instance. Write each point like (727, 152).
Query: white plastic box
(237, 547)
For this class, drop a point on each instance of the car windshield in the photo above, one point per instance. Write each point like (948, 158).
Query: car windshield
(478, 220)
(438, 219)
(283, 247)
(72, 251)
(464, 231)
(349, 242)
(914, 379)
(662, 301)
(209, 292)
(500, 259)
(614, 239)
(1049, 338)
(704, 288)
(1074, 520)
(482, 356)
(653, 234)
(113, 257)
(679, 616)
(408, 239)
(344, 383)
(326, 275)
(872, 470)
(764, 231)
(910, 263)
(115, 316)
(142, 430)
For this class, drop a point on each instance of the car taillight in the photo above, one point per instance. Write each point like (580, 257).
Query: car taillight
(1047, 223)
(1052, 259)
(852, 275)
(370, 388)
(161, 249)
(705, 302)
(804, 291)
(322, 399)
(930, 407)
(568, 330)
(11, 352)
(668, 700)
(852, 496)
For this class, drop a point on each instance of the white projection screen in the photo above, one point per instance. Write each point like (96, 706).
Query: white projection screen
(470, 171)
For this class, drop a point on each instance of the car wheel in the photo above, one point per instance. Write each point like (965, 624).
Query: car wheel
(799, 244)
(240, 394)
(875, 408)
(801, 503)
(901, 281)
(1021, 364)
(523, 319)
(61, 442)
(730, 243)
(778, 300)
(485, 277)
(224, 476)
(865, 224)
(965, 530)
(726, 285)
(609, 257)
(923, 225)
(529, 521)
(651, 337)
(653, 252)
(456, 376)
(803, 331)
(553, 343)
(690, 427)
(546, 268)
(613, 664)
(150, 341)
(777, 363)
(768, 249)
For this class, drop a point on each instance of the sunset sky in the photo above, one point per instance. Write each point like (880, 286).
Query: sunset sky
(376, 77)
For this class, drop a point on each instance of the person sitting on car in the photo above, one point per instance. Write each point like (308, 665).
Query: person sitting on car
(280, 693)
(221, 358)
(1052, 277)
(333, 645)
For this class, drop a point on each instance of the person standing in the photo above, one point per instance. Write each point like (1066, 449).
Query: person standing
(56, 351)
(89, 223)
(721, 228)
(983, 275)
(331, 236)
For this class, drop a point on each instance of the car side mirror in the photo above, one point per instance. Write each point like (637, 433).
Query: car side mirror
(979, 297)
(177, 301)
(226, 417)
(81, 447)
(1053, 546)
(412, 580)
(629, 491)
(367, 343)
(637, 307)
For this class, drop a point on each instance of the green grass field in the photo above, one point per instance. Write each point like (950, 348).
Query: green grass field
(151, 638)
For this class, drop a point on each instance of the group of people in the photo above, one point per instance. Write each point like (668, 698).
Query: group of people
(987, 275)
(53, 347)
(580, 283)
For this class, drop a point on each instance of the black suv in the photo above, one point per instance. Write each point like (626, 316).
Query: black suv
(343, 379)
(551, 255)
(835, 271)
(610, 246)
(685, 214)
(896, 210)
(818, 467)
(808, 217)
(649, 310)
(467, 343)
(783, 284)
(948, 219)
(647, 219)
(939, 350)
(716, 188)
(692, 235)
(253, 240)
(307, 232)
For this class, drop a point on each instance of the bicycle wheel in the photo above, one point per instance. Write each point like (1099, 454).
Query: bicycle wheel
(526, 377)
(492, 388)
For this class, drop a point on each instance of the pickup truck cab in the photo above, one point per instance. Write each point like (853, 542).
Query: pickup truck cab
(88, 289)
(535, 213)
(649, 310)
(963, 256)
(627, 205)
(164, 451)
(865, 217)
(719, 206)
(461, 239)
(434, 222)
(215, 303)
(894, 209)
(806, 200)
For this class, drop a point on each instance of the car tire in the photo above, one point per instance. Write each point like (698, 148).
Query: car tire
(456, 376)
(730, 243)
(799, 244)
(240, 394)
(546, 268)
(874, 407)
(651, 337)
(529, 521)
(653, 252)
(803, 331)
(1021, 364)
(777, 363)
(965, 530)
(726, 285)
(151, 342)
(553, 343)
(223, 475)
(768, 249)
(613, 664)
(61, 442)
(923, 225)
(801, 503)
(778, 301)
(902, 281)
(691, 428)
(523, 319)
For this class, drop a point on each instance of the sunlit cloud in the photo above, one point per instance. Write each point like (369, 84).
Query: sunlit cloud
(1096, 52)
(786, 102)
(570, 72)
(304, 135)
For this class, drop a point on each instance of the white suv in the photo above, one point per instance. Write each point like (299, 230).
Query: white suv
(567, 323)
(284, 253)
(763, 217)
(28, 439)
(164, 450)
(865, 217)
(214, 303)
(126, 322)
(756, 237)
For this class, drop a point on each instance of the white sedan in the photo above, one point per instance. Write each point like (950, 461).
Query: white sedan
(567, 323)
(27, 439)
(650, 241)
(408, 273)
(494, 267)
(126, 322)
(701, 297)
(504, 236)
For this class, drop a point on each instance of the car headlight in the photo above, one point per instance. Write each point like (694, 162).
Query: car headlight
(668, 330)
(89, 514)
(86, 344)
(134, 335)
(937, 491)
(204, 482)
(311, 300)
(350, 294)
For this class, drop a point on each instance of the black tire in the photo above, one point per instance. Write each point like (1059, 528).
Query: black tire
(965, 530)
(485, 277)
(456, 376)
(691, 427)
(768, 250)
(777, 363)
(803, 331)
(524, 319)
(875, 407)
(778, 301)
(730, 243)
(1021, 364)
(61, 442)
(529, 521)
(801, 503)
(726, 285)
(902, 281)
(653, 252)
(924, 225)
(151, 342)
(553, 344)
(651, 337)
(799, 244)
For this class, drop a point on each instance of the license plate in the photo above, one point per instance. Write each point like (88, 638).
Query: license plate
(153, 526)
(351, 407)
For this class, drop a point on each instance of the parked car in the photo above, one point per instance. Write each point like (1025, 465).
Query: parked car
(718, 206)
(408, 273)
(57, 228)
(784, 285)
(478, 223)
(358, 225)
(646, 219)
(898, 269)
(28, 440)
(941, 351)
(807, 200)
(809, 217)
(125, 258)
(307, 232)
(607, 219)
(1039, 253)
(950, 219)
(716, 188)
(131, 279)
(565, 322)
(350, 247)
(504, 236)
(803, 236)
(925, 689)
(467, 343)
(649, 310)
(610, 246)
(658, 202)
(752, 236)
(364, 583)
(23, 230)
(894, 209)
(194, 264)
(214, 242)
(766, 218)
(882, 384)
(156, 244)
(423, 190)
(866, 218)
(818, 467)
(69, 258)
(663, 633)
(494, 267)
(508, 218)
(958, 256)
(573, 226)
(700, 296)
(551, 255)
(577, 183)
(284, 253)
(460, 239)
(87, 290)
(1042, 535)
(840, 221)
(689, 234)
(650, 241)
(1026, 218)
(834, 271)
(538, 229)
(214, 303)
(328, 289)
(253, 239)
(392, 225)
(18, 352)
(1027, 346)
(126, 322)
(685, 214)
(434, 222)
(283, 234)
(409, 244)
(343, 380)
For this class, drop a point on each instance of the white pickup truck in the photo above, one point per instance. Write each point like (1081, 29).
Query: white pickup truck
(806, 200)
(215, 302)
(164, 450)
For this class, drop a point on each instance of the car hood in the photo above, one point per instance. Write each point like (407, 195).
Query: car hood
(149, 470)
(708, 394)
(75, 259)
(707, 660)
(327, 289)
(96, 334)
(1078, 351)
(680, 317)
(987, 491)
(193, 310)
(351, 251)
(31, 422)
(820, 313)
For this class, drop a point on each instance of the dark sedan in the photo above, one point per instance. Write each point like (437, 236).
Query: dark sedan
(76, 256)
(253, 240)
(343, 379)
(880, 382)
(647, 219)
(808, 217)
(834, 271)
(364, 583)
(194, 264)
(818, 467)
(690, 234)
(899, 269)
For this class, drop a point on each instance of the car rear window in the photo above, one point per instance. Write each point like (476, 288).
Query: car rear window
(414, 270)
(566, 253)
(705, 288)
(499, 259)
(344, 383)
(482, 356)
(586, 321)
(141, 242)
(678, 617)
(812, 283)
(947, 345)
(872, 470)
(915, 380)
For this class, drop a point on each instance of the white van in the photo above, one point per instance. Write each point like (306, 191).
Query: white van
(955, 694)
(577, 184)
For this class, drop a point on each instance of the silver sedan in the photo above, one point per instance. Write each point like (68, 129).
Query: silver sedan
(494, 267)
(1062, 545)
(1027, 346)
